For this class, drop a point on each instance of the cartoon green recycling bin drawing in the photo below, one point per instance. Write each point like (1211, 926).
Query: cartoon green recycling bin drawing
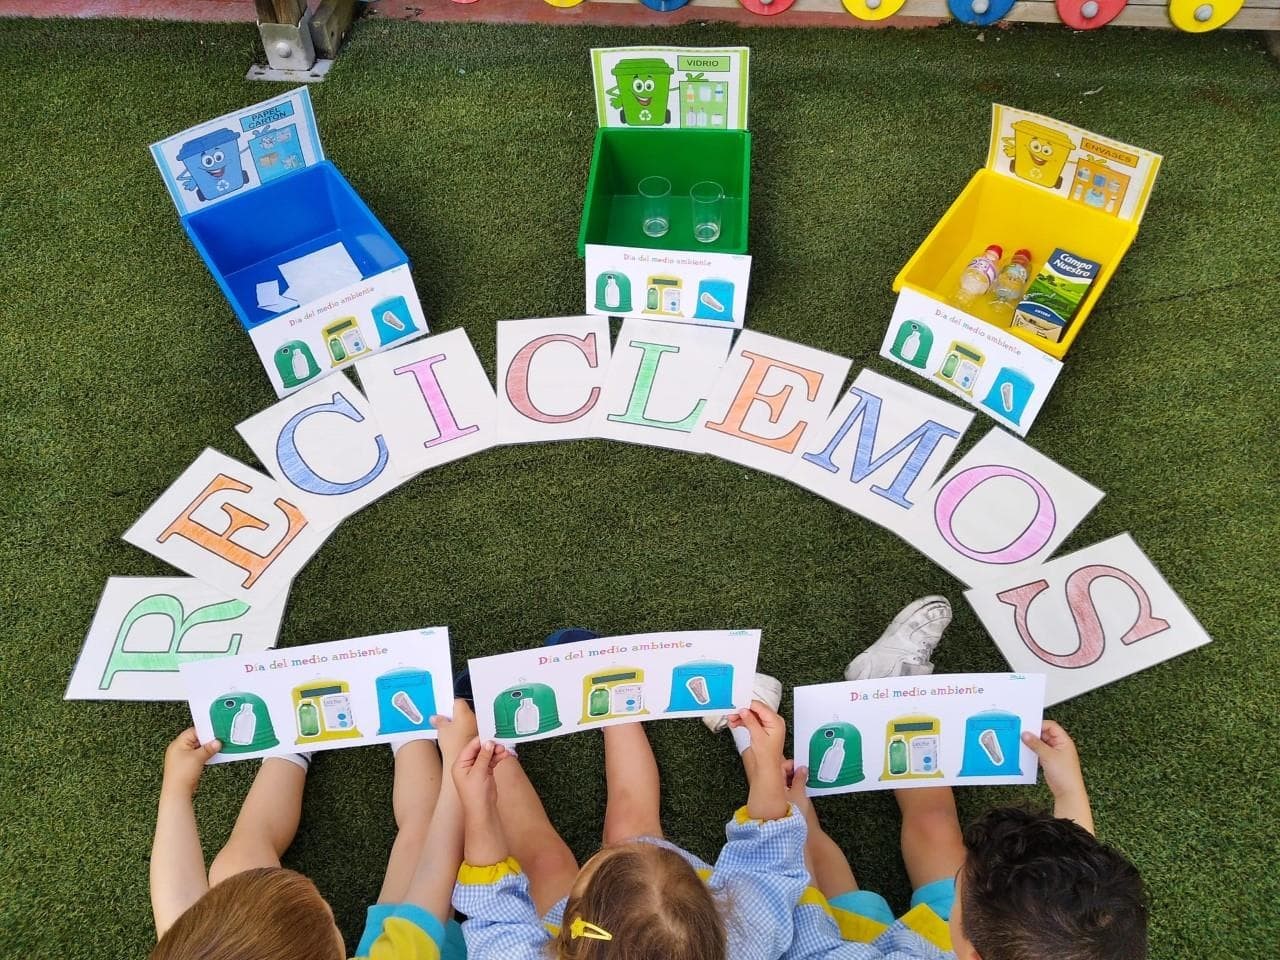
(641, 94)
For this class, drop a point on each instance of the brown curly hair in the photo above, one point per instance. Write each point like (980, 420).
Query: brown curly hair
(265, 914)
(652, 902)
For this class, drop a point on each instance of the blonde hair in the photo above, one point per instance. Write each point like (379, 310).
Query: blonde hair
(652, 903)
(265, 914)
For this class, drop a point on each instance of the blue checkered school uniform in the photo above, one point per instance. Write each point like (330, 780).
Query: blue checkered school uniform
(826, 933)
(759, 874)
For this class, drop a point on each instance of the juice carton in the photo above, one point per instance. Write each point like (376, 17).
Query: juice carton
(1058, 289)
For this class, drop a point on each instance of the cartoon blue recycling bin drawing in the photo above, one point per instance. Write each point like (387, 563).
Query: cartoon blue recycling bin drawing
(213, 164)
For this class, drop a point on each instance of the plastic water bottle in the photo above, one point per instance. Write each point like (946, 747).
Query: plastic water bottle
(1010, 286)
(979, 276)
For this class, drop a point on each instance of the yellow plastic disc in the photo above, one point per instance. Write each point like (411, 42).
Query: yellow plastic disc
(564, 3)
(1201, 16)
(873, 9)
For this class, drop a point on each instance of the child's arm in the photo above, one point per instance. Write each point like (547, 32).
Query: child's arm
(761, 867)
(1061, 765)
(178, 877)
(767, 796)
(492, 891)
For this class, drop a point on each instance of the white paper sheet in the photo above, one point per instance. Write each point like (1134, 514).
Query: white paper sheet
(315, 274)
(658, 382)
(145, 627)
(1003, 508)
(1087, 618)
(550, 374)
(433, 400)
(323, 696)
(881, 449)
(323, 445)
(961, 729)
(232, 527)
(553, 691)
(770, 398)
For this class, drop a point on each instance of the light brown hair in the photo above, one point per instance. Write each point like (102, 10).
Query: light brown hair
(652, 902)
(265, 914)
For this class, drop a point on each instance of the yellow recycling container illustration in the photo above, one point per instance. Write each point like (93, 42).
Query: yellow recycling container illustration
(1039, 153)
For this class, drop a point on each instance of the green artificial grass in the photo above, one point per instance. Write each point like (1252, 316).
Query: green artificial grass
(122, 361)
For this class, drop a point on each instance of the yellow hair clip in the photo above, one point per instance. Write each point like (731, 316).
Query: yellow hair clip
(581, 928)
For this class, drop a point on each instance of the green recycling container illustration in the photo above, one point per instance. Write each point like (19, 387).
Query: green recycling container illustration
(644, 84)
(295, 364)
(525, 710)
(243, 723)
(613, 292)
(835, 756)
(913, 344)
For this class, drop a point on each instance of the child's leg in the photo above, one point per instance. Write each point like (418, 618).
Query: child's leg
(932, 845)
(267, 822)
(544, 857)
(631, 778)
(413, 798)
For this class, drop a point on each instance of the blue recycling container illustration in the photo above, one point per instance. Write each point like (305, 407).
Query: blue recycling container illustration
(406, 701)
(393, 320)
(702, 685)
(992, 744)
(1009, 394)
(213, 164)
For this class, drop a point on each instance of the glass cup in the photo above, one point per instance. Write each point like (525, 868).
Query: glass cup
(655, 192)
(708, 208)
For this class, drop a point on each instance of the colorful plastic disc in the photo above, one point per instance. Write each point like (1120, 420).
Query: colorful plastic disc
(980, 13)
(1201, 16)
(664, 6)
(873, 9)
(768, 9)
(556, 3)
(1089, 14)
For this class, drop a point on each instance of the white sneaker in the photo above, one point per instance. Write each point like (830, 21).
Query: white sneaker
(766, 689)
(907, 643)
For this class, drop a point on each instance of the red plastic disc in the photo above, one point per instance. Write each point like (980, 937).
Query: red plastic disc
(766, 9)
(1089, 14)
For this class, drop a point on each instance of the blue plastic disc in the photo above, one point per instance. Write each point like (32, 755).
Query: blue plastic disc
(664, 6)
(980, 13)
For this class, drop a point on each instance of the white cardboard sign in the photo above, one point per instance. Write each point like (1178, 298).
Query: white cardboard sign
(1003, 507)
(658, 382)
(553, 691)
(1087, 618)
(984, 365)
(881, 449)
(771, 398)
(325, 448)
(702, 288)
(550, 374)
(145, 627)
(323, 696)
(961, 729)
(232, 527)
(432, 399)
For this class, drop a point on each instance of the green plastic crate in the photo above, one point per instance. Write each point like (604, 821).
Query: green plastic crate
(623, 157)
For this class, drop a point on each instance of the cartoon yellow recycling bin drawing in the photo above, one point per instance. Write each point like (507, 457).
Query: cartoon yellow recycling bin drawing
(1039, 153)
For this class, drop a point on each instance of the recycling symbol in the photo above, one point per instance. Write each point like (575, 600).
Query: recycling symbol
(646, 114)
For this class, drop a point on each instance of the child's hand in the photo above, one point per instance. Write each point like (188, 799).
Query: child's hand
(455, 734)
(184, 759)
(768, 733)
(1058, 759)
(473, 774)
